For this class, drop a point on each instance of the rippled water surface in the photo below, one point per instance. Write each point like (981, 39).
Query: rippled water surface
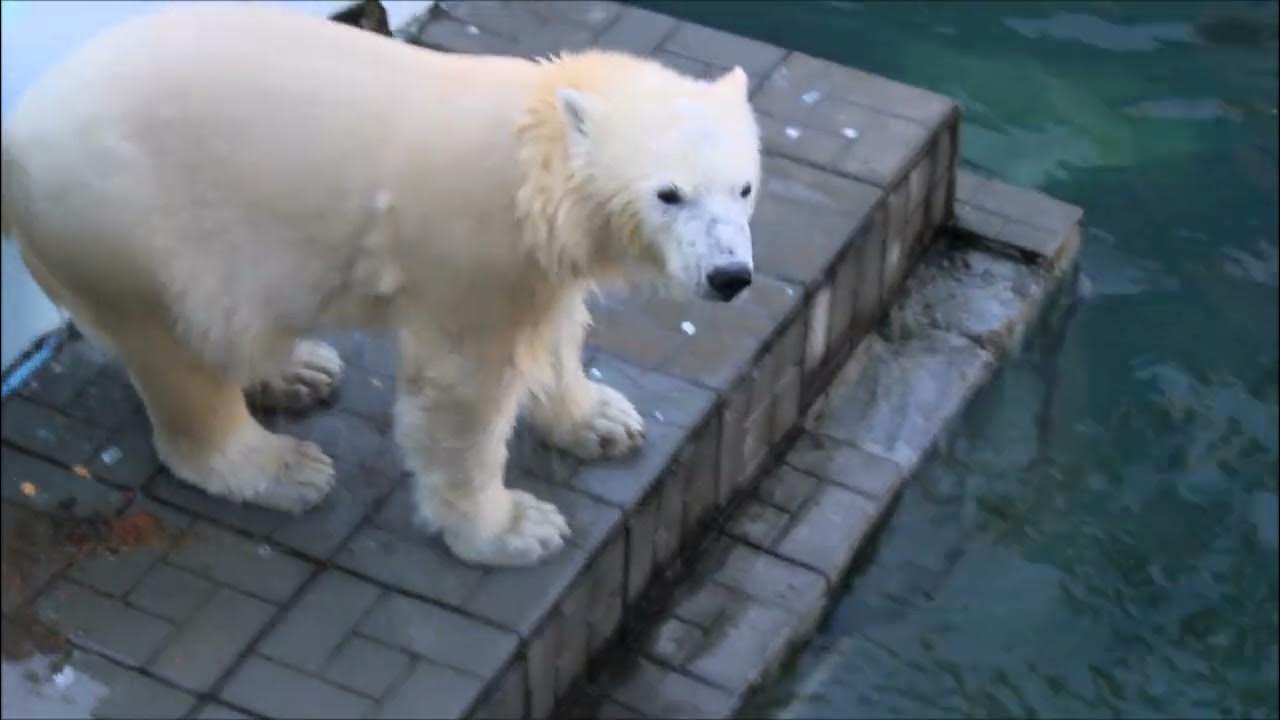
(1098, 537)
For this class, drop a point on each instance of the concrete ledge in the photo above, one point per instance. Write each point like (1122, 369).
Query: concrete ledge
(351, 609)
(766, 577)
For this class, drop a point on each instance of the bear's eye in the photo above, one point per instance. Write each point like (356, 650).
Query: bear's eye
(746, 190)
(670, 195)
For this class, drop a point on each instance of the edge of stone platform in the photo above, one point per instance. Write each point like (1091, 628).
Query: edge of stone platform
(779, 559)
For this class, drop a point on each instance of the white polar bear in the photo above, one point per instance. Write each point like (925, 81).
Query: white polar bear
(205, 187)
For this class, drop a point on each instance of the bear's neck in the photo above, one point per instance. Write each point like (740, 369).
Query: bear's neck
(562, 228)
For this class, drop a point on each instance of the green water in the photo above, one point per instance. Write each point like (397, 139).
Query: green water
(1098, 537)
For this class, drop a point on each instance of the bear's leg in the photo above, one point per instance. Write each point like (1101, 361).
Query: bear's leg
(306, 379)
(203, 431)
(453, 417)
(201, 427)
(586, 418)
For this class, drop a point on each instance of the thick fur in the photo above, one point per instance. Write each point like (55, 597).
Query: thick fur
(206, 187)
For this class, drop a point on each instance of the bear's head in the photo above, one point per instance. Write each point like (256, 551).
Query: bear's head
(662, 171)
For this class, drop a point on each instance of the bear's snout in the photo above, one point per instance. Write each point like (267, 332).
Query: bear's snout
(727, 281)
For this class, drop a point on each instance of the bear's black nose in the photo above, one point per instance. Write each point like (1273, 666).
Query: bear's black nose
(729, 280)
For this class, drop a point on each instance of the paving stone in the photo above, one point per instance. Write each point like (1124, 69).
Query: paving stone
(786, 489)
(590, 519)
(366, 395)
(608, 588)
(245, 517)
(419, 565)
(641, 531)
(594, 14)
(131, 694)
(432, 690)
(669, 529)
(218, 711)
(553, 39)
(804, 219)
(610, 710)
(764, 577)
(725, 336)
(365, 666)
(637, 31)
(531, 455)
(828, 531)
(756, 439)
(689, 66)
(786, 404)
(505, 699)
(663, 693)
(253, 567)
(724, 49)
(102, 624)
(454, 36)
(34, 550)
(274, 690)
(896, 249)
(372, 351)
(56, 383)
(981, 296)
(171, 592)
(744, 641)
(439, 634)
(1030, 238)
(116, 572)
(700, 475)
(657, 397)
(983, 223)
(519, 598)
(29, 481)
(320, 532)
(757, 523)
(108, 400)
(798, 142)
(817, 331)
(802, 74)
(210, 642)
(674, 641)
(733, 430)
(622, 482)
(863, 472)
(48, 433)
(540, 660)
(904, 393)
(317, 623)
(886, 145)
(703, 601)
(1022, 204)
(127, 457)
(867, 259)
(575, 634)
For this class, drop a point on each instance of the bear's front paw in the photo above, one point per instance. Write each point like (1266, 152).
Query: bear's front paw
(535, 530)
(610, 428)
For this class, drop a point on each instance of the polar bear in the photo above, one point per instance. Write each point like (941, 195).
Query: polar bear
(207, 188)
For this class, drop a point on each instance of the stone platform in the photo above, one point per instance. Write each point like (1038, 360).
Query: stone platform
(166, 602)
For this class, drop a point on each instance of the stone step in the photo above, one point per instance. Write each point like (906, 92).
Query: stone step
(758, 588)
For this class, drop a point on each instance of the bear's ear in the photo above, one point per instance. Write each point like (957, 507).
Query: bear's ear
(735, 81)
(576, 108)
